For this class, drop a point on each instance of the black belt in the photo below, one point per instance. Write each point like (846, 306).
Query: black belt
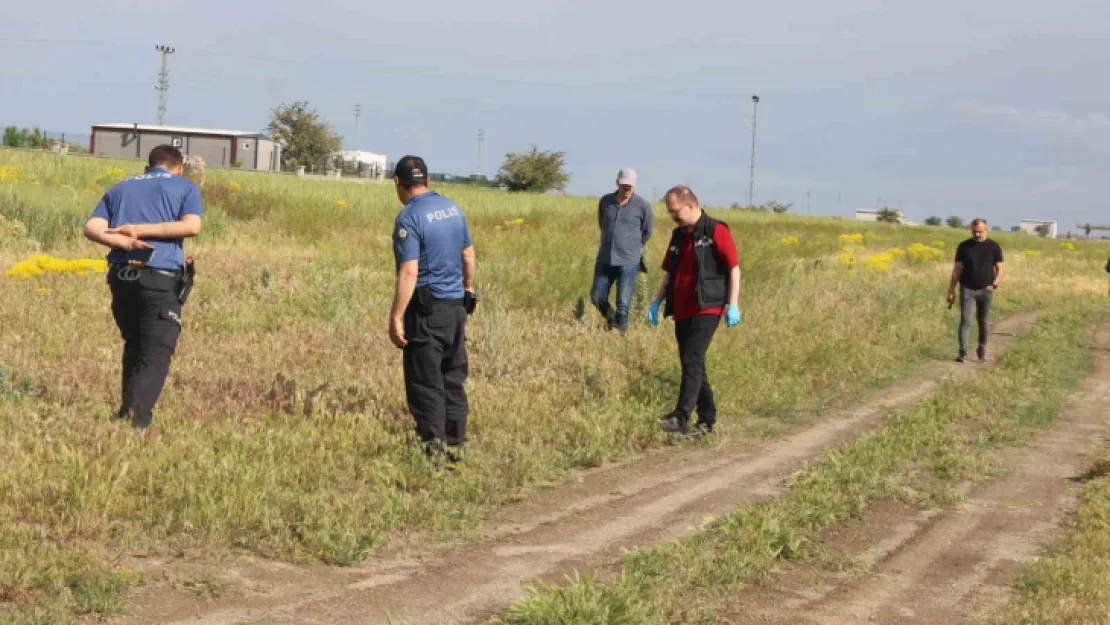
(163, 272)
(447, 302)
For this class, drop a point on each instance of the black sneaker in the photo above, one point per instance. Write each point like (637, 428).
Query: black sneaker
(701, 428)
(674, 424)
(961, 358)
(436, 450)
(981, 352)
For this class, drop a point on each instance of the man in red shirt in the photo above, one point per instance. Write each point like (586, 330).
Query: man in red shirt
(701, 282)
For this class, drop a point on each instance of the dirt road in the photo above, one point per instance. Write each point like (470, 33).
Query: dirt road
(952, 566)
(585, 525)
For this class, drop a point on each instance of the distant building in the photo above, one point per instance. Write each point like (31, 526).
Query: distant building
(364, 164)
(869, 214)
(249, 150)
(1031, 226)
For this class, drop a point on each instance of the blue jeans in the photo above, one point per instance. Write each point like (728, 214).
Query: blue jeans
(604, 277)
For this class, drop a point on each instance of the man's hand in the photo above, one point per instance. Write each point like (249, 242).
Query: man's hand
(131, 231)
(128, 244)
(397, 332)
(951, 298)
(732, 316)
(653, 313)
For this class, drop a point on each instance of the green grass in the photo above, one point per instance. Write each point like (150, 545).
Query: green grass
(917, 457)
(1072, 585)
(283, 425)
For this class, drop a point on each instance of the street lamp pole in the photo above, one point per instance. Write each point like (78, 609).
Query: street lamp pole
(751, 178)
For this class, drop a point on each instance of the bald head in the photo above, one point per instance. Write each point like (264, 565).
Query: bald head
(683, 194)
(682, 205)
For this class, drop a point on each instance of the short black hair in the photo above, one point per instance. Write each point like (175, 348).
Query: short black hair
(165, 155)
(411, 171)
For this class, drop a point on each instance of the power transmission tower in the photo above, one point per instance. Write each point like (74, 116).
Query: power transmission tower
(751, 179)
(481, 140)
(163, 82)
(358, 113)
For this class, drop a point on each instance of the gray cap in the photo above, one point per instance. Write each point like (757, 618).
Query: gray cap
(626, 175)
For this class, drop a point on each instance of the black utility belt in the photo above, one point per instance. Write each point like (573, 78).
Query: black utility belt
(115, 267)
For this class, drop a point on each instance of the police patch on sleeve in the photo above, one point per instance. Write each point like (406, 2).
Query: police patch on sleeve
(402, 234)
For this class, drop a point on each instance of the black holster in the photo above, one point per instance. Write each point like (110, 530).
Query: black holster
(185, 282)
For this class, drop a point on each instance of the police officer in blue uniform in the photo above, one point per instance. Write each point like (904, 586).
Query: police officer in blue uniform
(144, 220)
(434, 295)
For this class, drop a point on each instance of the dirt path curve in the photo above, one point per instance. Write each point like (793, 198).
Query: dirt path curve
(955, 566)
(585, 525)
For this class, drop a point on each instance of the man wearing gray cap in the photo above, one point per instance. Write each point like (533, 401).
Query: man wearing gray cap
(625, 220)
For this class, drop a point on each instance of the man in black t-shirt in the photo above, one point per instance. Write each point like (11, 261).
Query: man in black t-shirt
(977, 270)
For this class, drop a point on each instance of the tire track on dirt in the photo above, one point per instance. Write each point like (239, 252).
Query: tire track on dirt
(581, 526)
(955, 566)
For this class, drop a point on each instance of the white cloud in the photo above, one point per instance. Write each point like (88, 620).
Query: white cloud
(1090, 131)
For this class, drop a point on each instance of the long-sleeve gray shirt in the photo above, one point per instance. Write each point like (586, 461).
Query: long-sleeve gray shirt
(624, 229)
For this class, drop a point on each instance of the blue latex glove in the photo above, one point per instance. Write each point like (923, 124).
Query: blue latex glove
(653, 313)
(732, 316)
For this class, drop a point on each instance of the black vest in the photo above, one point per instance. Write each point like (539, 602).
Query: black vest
(712, 286)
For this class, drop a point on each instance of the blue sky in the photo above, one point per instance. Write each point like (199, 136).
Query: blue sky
(999, 109)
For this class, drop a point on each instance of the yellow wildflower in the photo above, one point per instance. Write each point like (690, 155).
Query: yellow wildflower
(519, 221)
(880, 262)
(111, 177)
(41, 265)
(789, 240)
(921, 253)
(9, 173)
(847, 257)
(234, 186)
(896, 252)
(849, 239)
(1031, 253)
(1068, 245)
(341, 203)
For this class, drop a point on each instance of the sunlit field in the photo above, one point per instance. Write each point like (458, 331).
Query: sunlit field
(283, 431)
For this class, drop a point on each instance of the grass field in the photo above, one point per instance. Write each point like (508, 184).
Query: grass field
(919, 457)
(283, 430)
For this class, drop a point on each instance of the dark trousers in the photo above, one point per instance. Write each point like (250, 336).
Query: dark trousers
(624, 276)
(978, 300)
(148, 314)
(694, 336)
(436, 368)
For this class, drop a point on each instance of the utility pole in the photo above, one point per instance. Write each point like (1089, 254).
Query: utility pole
(358, 113)
(481, 140)
(751, 179)
(807, 200)
(163, 82)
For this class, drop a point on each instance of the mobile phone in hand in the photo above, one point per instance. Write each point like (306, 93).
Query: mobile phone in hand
(141, 256)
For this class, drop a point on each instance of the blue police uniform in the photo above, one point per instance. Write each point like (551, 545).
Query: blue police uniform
(146, 303)
(432, 230)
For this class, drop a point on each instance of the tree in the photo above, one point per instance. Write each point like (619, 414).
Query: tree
(1042, 230)
(933, 221)
(888, 216)
(533, 171)
(305, 139)
(955, 222)
(778, 207)
(24, 138)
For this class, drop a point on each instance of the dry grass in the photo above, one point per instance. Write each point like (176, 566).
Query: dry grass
(283, 429)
